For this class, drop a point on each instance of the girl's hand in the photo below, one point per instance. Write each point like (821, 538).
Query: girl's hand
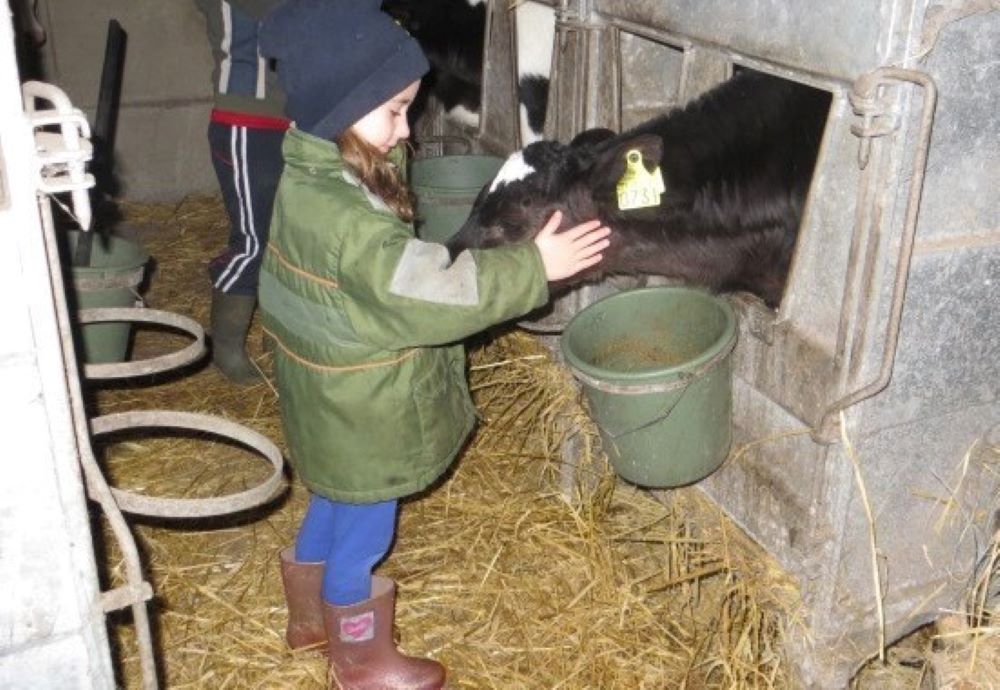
(566, 253)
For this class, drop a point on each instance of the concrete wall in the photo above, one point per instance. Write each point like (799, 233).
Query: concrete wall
(52, 629)
(161, 150)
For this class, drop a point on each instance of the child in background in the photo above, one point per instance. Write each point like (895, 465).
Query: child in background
(367, 322)
(245, 131)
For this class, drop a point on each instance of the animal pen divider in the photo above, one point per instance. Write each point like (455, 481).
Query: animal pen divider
(62, 140)
(862, 393)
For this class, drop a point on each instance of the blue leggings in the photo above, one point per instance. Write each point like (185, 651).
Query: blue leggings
(351, 538)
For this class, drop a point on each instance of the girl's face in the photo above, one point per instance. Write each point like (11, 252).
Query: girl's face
(386, 126)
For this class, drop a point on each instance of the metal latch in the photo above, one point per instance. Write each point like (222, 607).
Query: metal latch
(876, 123)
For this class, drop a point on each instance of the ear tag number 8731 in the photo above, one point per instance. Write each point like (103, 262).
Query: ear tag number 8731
(639, 188)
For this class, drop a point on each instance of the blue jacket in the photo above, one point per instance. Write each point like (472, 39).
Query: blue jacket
(242, 81)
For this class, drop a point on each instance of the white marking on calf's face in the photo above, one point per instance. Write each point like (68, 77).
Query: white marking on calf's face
(513, 169)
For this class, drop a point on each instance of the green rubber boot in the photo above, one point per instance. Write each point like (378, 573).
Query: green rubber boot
(231, 315)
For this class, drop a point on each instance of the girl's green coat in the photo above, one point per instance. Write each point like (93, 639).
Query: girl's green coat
(368, 323)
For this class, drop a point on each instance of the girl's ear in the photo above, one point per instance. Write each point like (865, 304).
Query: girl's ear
(609, 163)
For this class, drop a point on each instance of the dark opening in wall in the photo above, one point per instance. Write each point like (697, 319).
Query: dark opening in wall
(451, 34)
(740, 147)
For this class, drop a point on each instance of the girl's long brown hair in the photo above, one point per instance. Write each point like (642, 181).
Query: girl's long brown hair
(377, 173)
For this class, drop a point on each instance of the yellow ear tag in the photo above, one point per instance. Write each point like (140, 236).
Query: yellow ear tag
(639, 188)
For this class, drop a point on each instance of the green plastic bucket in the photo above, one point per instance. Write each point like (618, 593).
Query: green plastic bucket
(111, 280)
(446, 187)
(656, 372)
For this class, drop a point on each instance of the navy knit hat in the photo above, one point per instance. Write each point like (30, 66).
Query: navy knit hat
(338, 60)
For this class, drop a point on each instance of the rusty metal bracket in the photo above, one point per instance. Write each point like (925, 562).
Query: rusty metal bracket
(874, 124)
(136, 590)
(61, 159)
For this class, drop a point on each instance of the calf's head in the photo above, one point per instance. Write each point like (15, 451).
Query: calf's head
(578, 179)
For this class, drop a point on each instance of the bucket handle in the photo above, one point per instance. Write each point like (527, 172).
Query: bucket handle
(658, 418)
(442, 139)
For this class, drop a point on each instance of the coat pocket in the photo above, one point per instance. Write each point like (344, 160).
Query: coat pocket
(444, 407)
(354, 433)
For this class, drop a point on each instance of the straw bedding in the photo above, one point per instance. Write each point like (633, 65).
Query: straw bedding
(506, 580)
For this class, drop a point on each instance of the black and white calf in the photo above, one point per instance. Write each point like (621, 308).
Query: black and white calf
(452, 34)
(736, 166)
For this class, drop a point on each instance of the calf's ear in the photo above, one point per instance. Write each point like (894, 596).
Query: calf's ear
(590, 137)
(609, 164)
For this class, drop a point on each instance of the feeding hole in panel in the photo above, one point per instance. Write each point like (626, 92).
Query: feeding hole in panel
(737, 157)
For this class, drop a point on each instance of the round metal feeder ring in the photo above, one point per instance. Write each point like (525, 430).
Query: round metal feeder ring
(153, 365)
(156, 506)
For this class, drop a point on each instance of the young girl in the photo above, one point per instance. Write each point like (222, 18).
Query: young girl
(367, 323)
